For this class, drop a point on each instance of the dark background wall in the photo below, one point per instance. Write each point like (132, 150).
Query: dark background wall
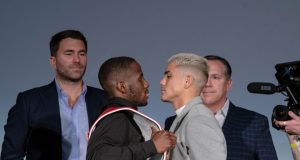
(253, 35)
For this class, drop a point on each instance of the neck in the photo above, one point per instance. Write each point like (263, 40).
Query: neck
(70, 85)
(183, 101)
(216, 107)
(72, 89)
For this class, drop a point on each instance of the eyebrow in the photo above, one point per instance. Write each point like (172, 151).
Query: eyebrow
(216, 74)
(166, 72)
(72, 50)
(69, 50)
(141, 74)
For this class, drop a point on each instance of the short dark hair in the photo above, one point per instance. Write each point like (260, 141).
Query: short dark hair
(58, 37)
(111, 69)
(228, 70)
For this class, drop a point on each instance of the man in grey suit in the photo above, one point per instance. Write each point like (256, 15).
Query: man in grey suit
(199, 135)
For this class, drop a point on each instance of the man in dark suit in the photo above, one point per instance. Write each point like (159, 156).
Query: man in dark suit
(246, 132)
(51, 122)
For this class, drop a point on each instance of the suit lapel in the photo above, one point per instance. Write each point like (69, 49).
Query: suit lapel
(229, 119)
(90, 101)
(179, 123)
(50, 99)
(179, 119)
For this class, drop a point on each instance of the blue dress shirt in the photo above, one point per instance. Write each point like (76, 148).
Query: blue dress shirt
(74, 125)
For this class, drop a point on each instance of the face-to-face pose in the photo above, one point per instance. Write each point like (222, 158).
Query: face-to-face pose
(172, 83)
(184, 78)
(123, 77)
(137, 85)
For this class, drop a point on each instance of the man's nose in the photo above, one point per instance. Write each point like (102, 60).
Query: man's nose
(76, 57)
(208, 83)
(162, 81)
(146, 84)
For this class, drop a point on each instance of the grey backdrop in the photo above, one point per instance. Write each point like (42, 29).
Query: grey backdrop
(253, 35)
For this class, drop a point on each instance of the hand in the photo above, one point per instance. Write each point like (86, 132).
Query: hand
(163, 140)
(291, 126)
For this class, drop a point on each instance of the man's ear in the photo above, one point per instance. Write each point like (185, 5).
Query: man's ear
(188, 81)
(52, 61)
(122, 87)
(229, 85)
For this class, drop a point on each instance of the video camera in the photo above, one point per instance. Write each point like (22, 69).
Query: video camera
(288, 77)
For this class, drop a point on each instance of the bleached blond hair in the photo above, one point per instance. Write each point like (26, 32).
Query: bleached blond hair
(193, 65)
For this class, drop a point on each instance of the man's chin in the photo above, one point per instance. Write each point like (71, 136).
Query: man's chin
(75, 79)
(143, 104)
(72, 79)
(163, 99)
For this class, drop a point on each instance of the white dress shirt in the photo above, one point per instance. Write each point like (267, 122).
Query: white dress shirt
(222, 113)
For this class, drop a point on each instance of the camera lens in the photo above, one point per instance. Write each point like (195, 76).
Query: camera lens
(280, 113)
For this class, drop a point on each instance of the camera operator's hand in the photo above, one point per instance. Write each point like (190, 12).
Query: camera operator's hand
(291, 126)
(295, 145)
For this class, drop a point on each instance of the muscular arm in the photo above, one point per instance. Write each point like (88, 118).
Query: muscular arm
(116, 138)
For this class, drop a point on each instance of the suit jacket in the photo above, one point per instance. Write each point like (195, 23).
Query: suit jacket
(33, 126)
(247, 135)
(199, 135)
